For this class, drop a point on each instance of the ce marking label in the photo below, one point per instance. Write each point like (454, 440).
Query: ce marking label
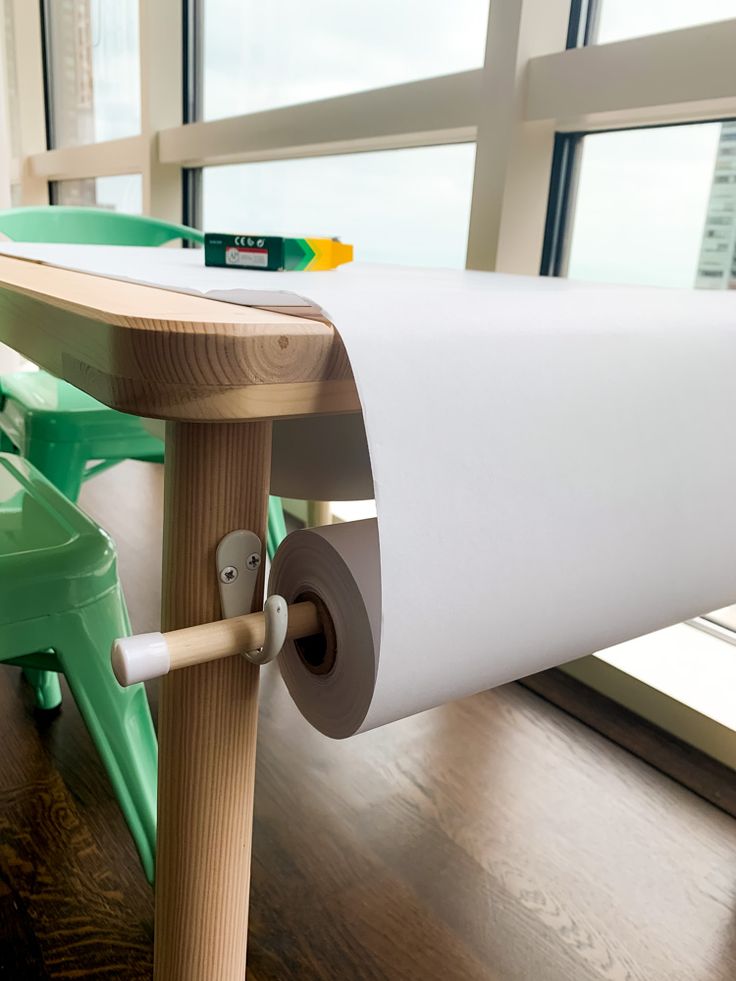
(246, 240)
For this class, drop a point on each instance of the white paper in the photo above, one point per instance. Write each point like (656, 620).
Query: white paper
(551, 467)
(551, 472)
(552, 478)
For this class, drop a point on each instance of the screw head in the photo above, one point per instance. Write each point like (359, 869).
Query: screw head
(228, 574)
(253, 561)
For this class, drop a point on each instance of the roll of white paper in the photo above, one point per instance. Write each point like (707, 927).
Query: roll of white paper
(552, 477)
(340, 564)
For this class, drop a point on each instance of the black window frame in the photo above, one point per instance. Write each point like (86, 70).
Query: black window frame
(192, 104)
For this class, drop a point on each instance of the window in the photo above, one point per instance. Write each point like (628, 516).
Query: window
(93, 68)
(614, 20)
(331, 48)
(120, 193)
(656, 207)
(8, 58)
(405, 206)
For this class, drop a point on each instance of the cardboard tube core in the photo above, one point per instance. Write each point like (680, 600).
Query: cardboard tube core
(318, 652)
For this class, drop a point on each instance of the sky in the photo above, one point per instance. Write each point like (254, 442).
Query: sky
(641, 204)
(261, 55)
(621, 19)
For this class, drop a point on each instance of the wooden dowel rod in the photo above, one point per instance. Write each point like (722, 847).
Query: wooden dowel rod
(207, 642)
(148, 656)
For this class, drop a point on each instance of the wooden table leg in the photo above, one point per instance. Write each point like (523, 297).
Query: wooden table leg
(216, 480)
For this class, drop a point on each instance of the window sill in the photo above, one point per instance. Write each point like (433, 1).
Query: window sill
(680, 679)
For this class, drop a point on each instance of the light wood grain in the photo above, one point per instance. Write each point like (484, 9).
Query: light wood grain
(216, 480)
(223, 638)
(190, 403)
(171, 355)
(319, 513)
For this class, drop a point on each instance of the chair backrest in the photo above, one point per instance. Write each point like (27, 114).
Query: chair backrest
(90, 226)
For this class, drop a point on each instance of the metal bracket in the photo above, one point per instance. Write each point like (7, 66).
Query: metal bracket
(276, 615)
(238, 559)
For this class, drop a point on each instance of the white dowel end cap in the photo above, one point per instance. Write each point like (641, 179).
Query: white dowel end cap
(140, 658)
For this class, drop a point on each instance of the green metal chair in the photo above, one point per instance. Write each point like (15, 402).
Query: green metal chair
(90, 226)
(61, 607)
(56, 426)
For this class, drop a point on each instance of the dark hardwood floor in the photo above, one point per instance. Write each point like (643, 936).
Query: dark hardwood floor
(495, 838)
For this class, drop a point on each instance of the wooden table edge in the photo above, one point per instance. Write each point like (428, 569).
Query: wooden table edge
(102, 335)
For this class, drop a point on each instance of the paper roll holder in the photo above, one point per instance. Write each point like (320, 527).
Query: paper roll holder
(259, 636)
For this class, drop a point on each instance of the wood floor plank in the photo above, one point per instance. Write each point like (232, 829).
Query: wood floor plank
(494, 839)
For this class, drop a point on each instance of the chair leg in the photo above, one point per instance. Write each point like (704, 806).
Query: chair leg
(63, 465)
(276, 525)
(118, 719)
(46, 687)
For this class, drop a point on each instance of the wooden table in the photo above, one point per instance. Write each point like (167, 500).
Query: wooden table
(218, 373)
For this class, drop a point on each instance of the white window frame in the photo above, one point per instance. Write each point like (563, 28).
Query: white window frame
(530, 88)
